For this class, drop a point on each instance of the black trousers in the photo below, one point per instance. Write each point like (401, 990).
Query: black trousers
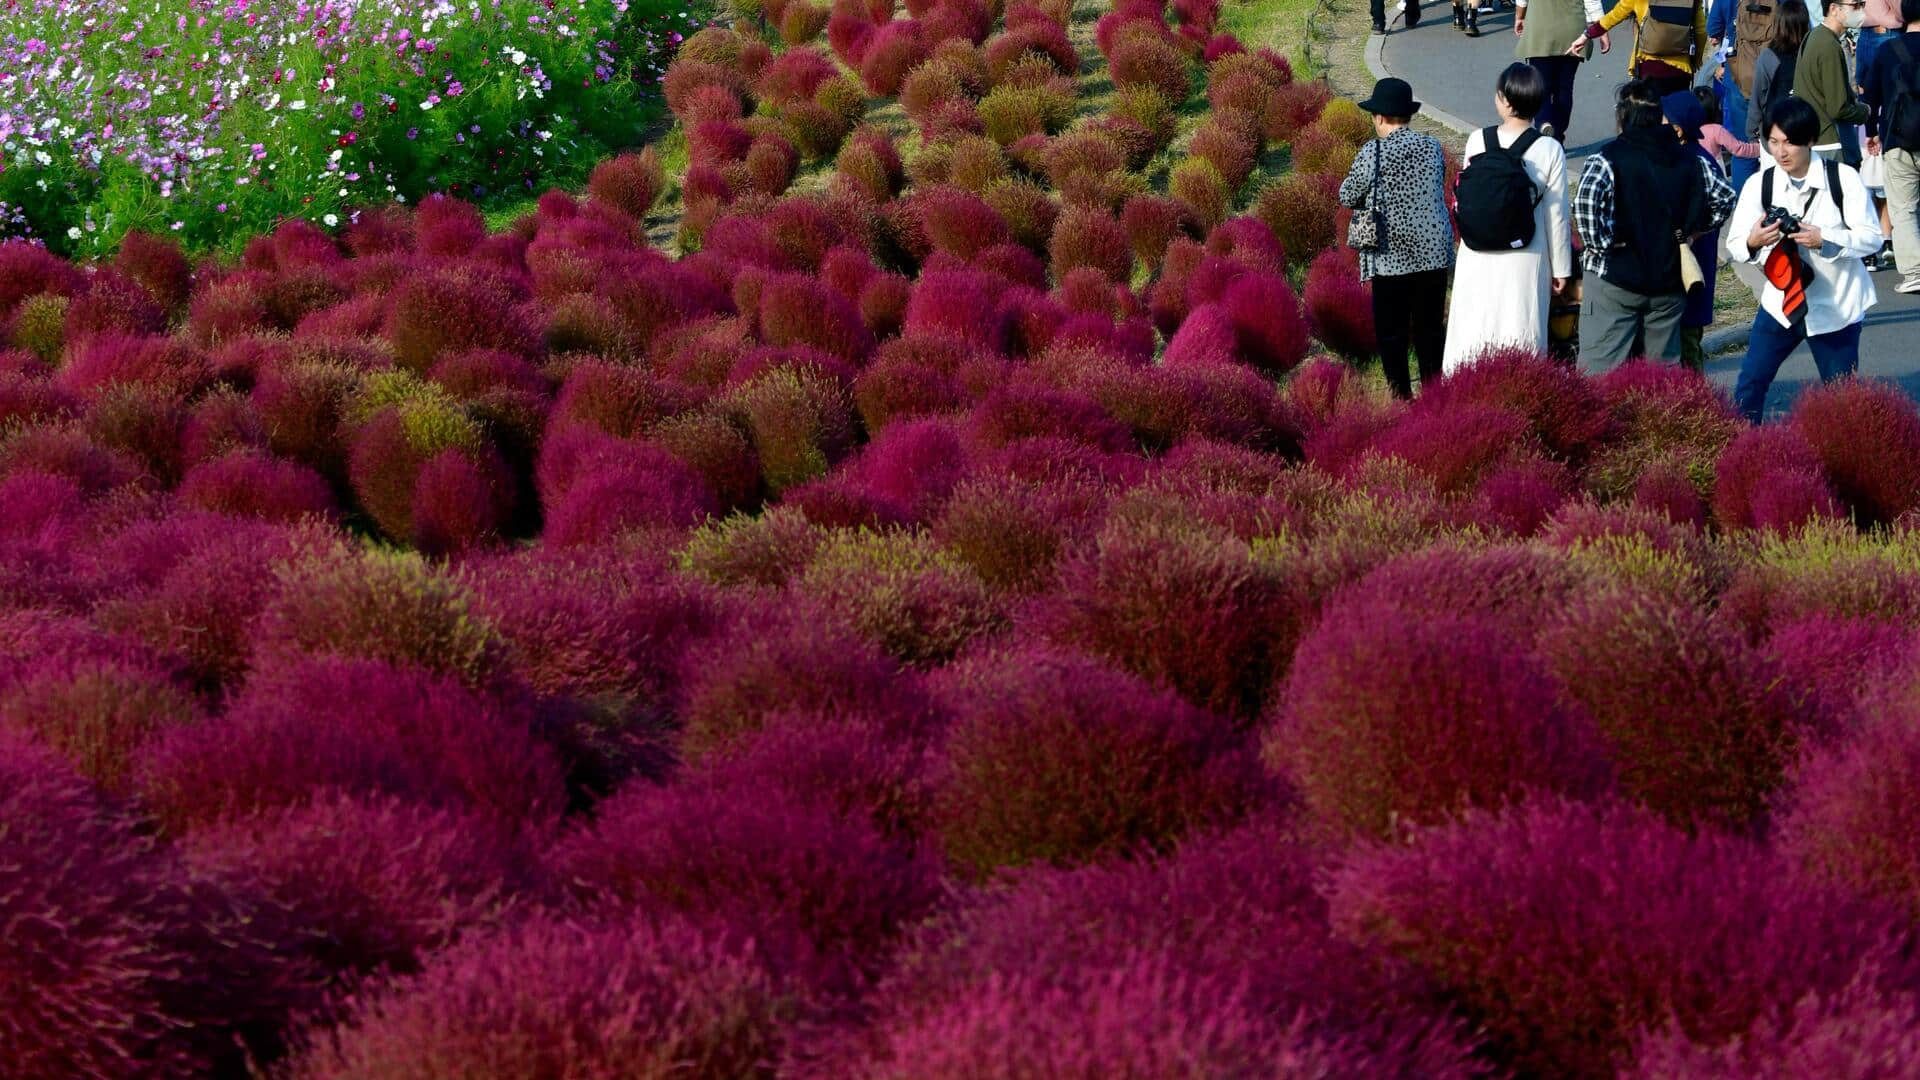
(1557, 109)
(1410, 310)
(1378, 8)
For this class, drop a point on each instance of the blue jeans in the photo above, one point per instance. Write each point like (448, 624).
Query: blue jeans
(1835, 354)
(1869, 44)
(1735, 105)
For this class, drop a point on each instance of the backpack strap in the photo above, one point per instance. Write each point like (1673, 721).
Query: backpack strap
(1518, 151)
(1838, 193)
(1766, 188)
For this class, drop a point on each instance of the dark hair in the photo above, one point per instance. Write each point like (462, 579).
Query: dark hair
(1791, 24)
(1710, 104)
(1525, 89)
(1795, 119)
(1909, 11)
(1638, 106)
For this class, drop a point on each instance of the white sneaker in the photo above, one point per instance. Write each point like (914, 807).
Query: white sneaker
(1909, 284)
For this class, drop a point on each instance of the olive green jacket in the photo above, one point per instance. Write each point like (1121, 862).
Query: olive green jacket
(1551, 25)
(1820, 79)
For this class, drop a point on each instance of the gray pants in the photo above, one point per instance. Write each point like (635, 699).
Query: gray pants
(1612, 317)
(1903, 205)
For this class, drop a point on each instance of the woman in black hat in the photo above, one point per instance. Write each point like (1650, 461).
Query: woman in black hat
(1397, 189)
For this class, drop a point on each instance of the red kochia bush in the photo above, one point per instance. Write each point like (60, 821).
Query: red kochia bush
(1239, 907)
(378, 883)
(1754, 466)
(1389, 719)
(1695, 718)
(1860, 1032)
(1181, 607)
(1866, 433)
(394, 731)
(1826, 662)
(789, 661)
(1566, 929)
(1060, 759)
(1267, 322)
(630, 183)
(1339, 305)
(1853, 809)
(1090, 236)
(87, 920)
(820, 895)
(630, 486)
(1143, 1017)
(1562, 408)
(1456, 447)
(1300, 209)
(250, 484)
(893, 51)
(625, 997)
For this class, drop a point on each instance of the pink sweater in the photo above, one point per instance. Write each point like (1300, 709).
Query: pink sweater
(1717, 138)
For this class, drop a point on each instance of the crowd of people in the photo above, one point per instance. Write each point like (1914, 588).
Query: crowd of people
(1797, 153)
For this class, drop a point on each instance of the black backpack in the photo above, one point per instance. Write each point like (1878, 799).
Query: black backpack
(1496, 197)
(1900, 116)
(1834, 191)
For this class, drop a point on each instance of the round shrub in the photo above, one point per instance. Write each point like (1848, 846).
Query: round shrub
(1180, 606)
(1851, 810)
(1664, 414)
(85, 975)
(631, 997)
(1201, 188)
(394, 731)
(96, 714)
(1059, 759)
(1693, 717)
(1339, 305)
(1301, 209)
(849, 769)
(1827, 663)
(751, 550)
(377, 883)
(375, 605)
(799, 421)
(1142, 1017)
(789, 660)
(632, 486)
(1858, 1033)
(630, 183)
(1268, 326)
(249, 484)
(1230, 152)
(896, 49)
(1144, 60)
(1565, 930)
(821, 896)
(1390, 718)
(1085, 236)
(899, 591)
(1841, 420)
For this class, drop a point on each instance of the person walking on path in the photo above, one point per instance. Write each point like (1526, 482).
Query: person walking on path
(1807, 223)
(1739, 31)
(1821, 80)
(1773, 72)
(1893, 130)
(1640, 200)
(1544, 26)
(1669, 41)
(1501, 298)
(1400, 177)
(1688, 115)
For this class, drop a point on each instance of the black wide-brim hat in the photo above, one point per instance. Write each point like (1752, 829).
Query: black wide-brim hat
(1391, 97)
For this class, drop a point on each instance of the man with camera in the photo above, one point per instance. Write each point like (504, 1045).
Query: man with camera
(1808, 223)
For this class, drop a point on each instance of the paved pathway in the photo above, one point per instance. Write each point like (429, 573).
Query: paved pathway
(1454, 74)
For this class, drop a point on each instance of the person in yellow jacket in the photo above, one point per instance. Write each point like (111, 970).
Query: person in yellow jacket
(1669, 41)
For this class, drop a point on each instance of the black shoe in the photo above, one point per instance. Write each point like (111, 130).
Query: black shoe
(1473, 30)
(1378, 29)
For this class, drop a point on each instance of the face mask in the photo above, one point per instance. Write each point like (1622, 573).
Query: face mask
(1855, 18)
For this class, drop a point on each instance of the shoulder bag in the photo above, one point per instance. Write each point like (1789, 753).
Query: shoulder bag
(1368, 228)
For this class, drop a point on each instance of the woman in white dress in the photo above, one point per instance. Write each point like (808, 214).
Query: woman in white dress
(1501, 298)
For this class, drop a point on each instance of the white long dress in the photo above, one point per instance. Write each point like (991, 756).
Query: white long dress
(1500, 298)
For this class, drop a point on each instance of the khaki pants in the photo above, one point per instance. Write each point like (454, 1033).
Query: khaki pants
(1903, 206)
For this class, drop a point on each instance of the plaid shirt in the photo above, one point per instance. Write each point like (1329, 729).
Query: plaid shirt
(1593, 208)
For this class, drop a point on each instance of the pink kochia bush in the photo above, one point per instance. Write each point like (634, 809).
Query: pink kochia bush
(1059, 759)
(620, 996)
(1569, 930)
(1394, 717)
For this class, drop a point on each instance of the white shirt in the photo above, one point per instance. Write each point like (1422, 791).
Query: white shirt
(1841, 290)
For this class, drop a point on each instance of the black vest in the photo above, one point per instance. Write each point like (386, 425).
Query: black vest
(1659, 200)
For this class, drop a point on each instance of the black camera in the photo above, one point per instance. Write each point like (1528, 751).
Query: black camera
(1784, 218)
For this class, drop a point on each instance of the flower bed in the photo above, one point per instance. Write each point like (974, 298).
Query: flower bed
(216, 120)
